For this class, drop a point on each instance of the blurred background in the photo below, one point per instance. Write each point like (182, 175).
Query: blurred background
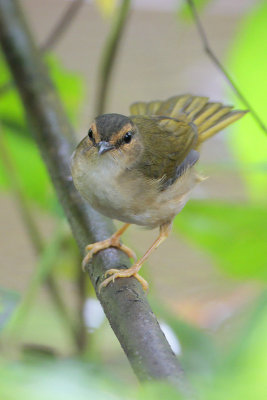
(208, 280)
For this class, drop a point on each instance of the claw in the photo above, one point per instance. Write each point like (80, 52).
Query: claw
(105, 244)
(118, 273)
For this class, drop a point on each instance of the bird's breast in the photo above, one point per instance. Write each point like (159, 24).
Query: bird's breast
(127, 195)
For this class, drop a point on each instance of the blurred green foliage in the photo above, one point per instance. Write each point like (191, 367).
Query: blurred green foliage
(242, 374)
(248, 63)
(234, 234)
(34, 178)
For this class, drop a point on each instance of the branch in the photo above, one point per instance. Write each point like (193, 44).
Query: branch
(61, 26)
(109, 54)
(219, 65)
(54, 36)
(124, 302)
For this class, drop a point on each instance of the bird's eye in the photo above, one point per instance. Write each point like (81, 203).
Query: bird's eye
(127, 137)
(90, 133)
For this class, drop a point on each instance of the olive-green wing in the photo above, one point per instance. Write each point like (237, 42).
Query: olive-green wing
(167, 143)
(173, 129)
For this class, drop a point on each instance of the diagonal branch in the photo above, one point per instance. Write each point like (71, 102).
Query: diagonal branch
(219, 65)
(62, 25)
(56, 33)
(124, 302)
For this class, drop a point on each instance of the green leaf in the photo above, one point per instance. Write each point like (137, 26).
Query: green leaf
(70, 86)
(58, 380)
(234, 234)
(158, 391)
(30, 167)
(243, 373)
(106, 7)
(248, 63)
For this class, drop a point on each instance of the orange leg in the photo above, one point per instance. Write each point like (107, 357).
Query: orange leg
(133, 271)
(113, 241)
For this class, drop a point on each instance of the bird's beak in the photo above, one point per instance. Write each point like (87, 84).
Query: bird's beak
(103, 147)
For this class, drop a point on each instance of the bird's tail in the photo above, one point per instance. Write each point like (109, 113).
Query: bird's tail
(208, 117)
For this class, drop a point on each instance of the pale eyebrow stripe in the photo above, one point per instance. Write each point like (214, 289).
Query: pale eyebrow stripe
(95, 132)
(119, 135)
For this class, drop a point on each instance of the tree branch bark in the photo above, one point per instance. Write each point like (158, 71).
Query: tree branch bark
(124, 302)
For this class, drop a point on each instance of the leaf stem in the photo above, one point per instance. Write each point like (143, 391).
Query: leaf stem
(109, 53)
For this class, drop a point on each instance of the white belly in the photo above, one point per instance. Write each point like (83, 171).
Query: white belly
(130, 197)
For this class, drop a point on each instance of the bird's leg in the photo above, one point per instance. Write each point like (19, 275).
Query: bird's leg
(113, 241)
(133, 271)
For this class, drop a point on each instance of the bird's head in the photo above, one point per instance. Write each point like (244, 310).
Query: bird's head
(111, 138)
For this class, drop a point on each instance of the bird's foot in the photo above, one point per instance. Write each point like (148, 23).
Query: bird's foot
(113, 241)
(118, 273)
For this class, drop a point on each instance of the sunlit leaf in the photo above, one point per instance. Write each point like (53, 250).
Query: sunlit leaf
(234, 234)
(248, 63)
(106, 7)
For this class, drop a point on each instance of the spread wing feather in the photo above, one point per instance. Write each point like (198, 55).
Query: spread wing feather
(171, 129)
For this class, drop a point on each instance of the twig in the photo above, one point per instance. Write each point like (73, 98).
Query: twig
(62, 25)
(124, 301)
(219, 65)
(109, 54)
(54, 36)
(35, 237)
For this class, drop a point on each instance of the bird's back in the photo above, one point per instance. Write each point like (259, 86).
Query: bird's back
(172, 131)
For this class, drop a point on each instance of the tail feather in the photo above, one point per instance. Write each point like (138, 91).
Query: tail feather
(209, 118)
(181, 105)
(214, 117)
(138, 108)
(166, 107)
(196, 106)
(153, 107)
(220, 124)
(208, 110)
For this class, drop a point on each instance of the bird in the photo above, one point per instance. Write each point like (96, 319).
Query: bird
(140, 169)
